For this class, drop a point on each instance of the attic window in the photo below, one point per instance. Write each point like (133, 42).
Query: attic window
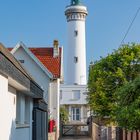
(21, 61)
(75, 33)
(75, 59)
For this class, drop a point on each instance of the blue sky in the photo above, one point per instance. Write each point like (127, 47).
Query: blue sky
(38, 22)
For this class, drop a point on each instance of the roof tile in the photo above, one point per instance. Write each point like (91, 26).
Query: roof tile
(45, 55)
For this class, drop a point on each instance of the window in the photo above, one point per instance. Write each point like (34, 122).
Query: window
(76, 94)
(22, 110)
(75, 33)
(75, 59)
(60, 94)
(75, 114)
(21, 61)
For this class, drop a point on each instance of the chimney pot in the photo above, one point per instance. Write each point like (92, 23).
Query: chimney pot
(55, 48)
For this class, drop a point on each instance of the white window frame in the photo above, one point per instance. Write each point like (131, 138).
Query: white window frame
(75, 115)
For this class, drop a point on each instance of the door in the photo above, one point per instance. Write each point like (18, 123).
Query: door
(39, 125)
(75, 114)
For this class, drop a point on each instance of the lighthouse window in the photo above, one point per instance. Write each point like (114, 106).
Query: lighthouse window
(75, 32)
(75, 59)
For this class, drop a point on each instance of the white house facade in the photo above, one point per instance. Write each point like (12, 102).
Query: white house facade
(15, 124)
(44, 65)
(17, 94)
(73, 97)
(33, 66)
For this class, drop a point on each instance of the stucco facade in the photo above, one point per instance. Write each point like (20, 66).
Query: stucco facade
(33, 69)
(50, 85)
(74, 97)
(16, 98)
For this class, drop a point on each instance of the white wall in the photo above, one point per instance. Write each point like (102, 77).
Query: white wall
(67, 94)
(7, 110)
(54, 101)
(8, 114)
(34, 70)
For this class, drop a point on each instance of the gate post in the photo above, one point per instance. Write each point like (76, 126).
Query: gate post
(61, 129)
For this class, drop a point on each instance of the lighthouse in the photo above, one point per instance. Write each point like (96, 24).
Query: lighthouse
(73, 93)
(76, 48)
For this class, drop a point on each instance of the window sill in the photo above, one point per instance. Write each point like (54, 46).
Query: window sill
(74, 99)
(18, 126)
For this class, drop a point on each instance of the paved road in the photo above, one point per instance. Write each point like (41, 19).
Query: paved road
(75, 138)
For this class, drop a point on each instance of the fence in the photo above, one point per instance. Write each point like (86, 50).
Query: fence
(131, 135)
(112, 133)
(105, 133)
(75, 130)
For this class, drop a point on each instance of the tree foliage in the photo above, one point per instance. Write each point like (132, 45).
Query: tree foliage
(109, 74)
(63, 114)
(128, 109)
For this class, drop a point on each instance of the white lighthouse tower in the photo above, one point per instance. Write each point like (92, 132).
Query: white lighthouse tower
(76, 55)
(73, 93)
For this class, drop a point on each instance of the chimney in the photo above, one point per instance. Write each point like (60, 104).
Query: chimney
(55, 48)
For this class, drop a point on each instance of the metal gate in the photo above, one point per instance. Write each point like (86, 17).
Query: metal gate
(75, 130)
(104, 133)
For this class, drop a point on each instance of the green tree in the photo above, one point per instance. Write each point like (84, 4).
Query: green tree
(109, 74)
(63, 114)
(128, 109)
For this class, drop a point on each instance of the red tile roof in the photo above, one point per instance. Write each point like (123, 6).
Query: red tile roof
(10, 49)
(45, 56)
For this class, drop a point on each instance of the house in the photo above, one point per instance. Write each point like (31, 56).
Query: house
(45, 66)
(73, 97)
(21, 102)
